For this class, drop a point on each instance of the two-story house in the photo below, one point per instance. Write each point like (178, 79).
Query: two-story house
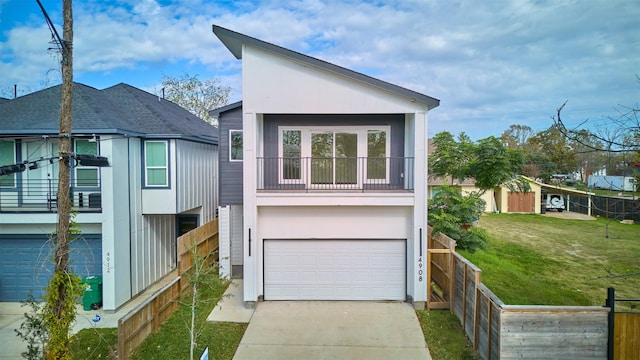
(159, 183)
(323, 180)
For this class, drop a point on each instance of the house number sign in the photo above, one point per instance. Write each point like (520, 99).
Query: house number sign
(108, 264)
(420, 262)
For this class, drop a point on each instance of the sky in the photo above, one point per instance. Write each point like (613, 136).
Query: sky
(491, 63)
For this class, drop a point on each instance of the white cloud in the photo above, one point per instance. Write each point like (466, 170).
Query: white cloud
(491, 63)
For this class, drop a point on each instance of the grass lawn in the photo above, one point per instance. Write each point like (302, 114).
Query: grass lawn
(444, 336)
(172, 341)
(538, 260)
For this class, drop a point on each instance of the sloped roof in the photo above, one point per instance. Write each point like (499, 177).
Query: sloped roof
(220, 110)
(120, 109)
(234, 40)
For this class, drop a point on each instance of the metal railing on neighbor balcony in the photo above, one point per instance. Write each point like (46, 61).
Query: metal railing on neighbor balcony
(40, 195)
(311, 173)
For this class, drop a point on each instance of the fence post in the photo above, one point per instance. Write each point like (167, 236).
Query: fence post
(611, 300)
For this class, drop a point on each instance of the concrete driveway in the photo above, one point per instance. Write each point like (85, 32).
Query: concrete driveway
(333, 330)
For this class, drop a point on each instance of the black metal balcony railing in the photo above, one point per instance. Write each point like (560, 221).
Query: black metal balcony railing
(41, 196)
(362, 174)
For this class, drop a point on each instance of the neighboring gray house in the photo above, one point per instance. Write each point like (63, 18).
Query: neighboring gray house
(160, 183)
(323, 171)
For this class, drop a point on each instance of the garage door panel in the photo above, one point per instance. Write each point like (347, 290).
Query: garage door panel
(335, 270)
(26, 266)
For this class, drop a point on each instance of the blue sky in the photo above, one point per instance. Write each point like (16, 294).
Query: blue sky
(491, 63)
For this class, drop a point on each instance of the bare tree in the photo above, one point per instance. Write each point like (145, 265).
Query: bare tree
(195, 95)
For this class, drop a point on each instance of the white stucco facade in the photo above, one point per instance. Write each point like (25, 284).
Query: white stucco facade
(274, 83)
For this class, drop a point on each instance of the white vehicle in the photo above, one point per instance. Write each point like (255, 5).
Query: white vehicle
(554, 201)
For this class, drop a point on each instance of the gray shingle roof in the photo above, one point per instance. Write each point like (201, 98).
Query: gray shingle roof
(234, 40)
(120, 109)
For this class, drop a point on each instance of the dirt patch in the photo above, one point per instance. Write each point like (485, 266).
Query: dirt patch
(568, 215)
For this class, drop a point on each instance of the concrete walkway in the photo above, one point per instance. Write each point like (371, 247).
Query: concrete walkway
(333, 330)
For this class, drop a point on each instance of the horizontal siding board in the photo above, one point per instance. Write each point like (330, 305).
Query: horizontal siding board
(273, 121)
(231, 173)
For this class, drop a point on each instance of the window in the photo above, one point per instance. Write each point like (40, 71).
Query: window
(334, 155)
(377, 151)
(156, 160)
(7, 157)
(86, 176)
(291, 154)
(235, 145)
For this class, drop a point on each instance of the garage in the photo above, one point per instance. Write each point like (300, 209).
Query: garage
(25, 263)
(335, 269)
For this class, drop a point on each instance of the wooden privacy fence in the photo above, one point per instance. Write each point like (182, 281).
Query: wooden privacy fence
(439, 264)
(624, 329)
(146, 318)
(500, 331)
(204, 241)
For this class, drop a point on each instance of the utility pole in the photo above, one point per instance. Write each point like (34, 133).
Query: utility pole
(65, 151)
(59, 310)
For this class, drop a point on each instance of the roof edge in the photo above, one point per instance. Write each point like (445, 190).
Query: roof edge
(234, 40)
(220, 110)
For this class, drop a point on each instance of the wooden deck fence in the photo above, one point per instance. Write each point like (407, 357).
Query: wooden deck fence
(500, 331)
(146, 318)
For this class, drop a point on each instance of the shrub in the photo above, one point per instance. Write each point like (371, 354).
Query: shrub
(456, 216)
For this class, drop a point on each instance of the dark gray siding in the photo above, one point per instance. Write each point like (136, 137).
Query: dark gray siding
(231, 179)
(272, 121)
(396, 122)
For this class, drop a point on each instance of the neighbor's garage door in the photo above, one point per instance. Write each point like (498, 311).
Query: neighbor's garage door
(335, 270)
(25, 263)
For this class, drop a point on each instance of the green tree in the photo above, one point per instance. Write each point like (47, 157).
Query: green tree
(455, 215)
(195, 95)
(517, 136)
(553, 148)
(450, 157)
(487, 161)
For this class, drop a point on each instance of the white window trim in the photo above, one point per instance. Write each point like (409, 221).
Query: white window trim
(166, 167)
(15, 177)
(303, 175)
(231, 131)
(76, 168)
(305, 151)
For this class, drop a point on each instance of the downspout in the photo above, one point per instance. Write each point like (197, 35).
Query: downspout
(130, 214)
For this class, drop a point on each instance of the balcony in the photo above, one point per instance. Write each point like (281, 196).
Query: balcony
(40, 195)
(360, 174)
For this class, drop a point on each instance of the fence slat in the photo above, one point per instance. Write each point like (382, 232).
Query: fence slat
(146, 318)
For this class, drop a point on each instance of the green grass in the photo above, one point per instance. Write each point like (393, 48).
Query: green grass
(444, 336)
(172, 341)
(99, 343)
(538, 260)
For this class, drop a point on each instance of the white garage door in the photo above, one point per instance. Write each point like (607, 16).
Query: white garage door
(335, 270)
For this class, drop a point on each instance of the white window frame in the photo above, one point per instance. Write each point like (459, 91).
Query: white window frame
(231, 132)
(303, 170)
(77, 167)
(165, 167)
(305, 152)
(14, 176)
